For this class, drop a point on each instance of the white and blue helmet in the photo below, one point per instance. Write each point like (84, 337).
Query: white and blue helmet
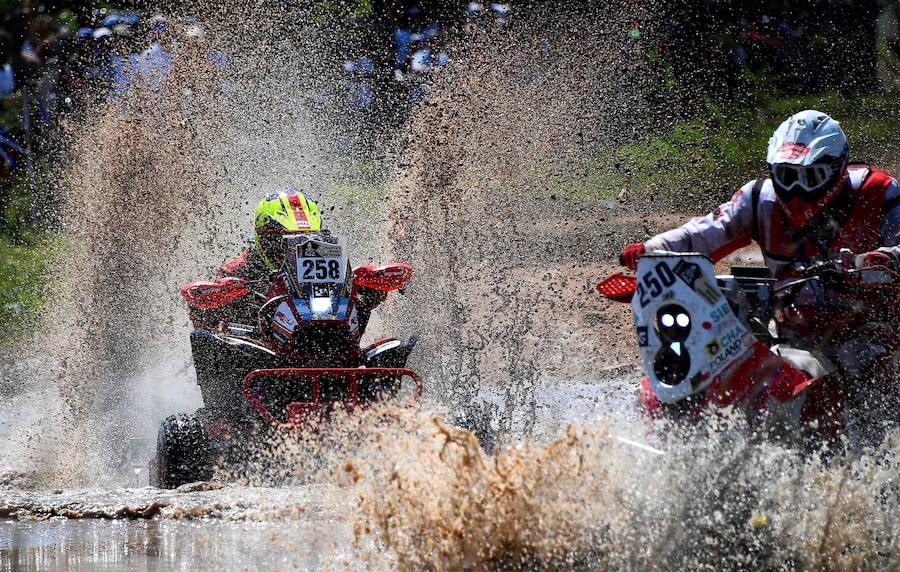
(807, 158)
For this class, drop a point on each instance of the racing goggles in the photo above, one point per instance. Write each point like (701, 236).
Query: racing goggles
(809, 178)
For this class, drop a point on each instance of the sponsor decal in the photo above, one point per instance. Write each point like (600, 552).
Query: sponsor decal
(643, 336)
(730, 368)
(316, 249)
(692, 275)
(283, 320)
(309, 249)
(284, 331)
(736, 333)
(721, 312)
(730, 352)
(299, 213)
(792, 151)
(713, 347)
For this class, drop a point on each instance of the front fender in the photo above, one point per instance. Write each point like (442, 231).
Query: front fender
(390, 353)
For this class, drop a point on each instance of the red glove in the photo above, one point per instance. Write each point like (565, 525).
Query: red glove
(874, 258)
(632, 252)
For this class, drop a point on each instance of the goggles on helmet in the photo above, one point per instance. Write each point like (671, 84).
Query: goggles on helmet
(809, 178)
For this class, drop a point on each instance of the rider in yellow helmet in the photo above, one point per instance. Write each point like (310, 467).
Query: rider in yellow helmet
(280, 213)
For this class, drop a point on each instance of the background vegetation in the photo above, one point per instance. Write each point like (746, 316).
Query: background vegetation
(714, 152)
(723, 74)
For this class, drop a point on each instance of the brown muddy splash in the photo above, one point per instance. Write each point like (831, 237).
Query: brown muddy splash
(157, 187)
(163, 185)
(436, 501)
(506, 262)
(479, 211)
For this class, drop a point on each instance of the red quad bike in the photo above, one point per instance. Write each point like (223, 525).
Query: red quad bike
(747, 341)
(291, 366)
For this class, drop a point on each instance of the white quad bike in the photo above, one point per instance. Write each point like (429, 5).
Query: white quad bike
(748, 341)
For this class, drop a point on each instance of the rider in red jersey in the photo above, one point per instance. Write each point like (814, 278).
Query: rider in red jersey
(279, 214)
(815, 206)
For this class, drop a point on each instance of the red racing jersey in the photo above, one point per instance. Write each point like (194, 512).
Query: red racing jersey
(864, 218)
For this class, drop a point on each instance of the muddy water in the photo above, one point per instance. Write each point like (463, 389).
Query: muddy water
(162, 545)
(237, 526)
(467, 190)
(143, 529)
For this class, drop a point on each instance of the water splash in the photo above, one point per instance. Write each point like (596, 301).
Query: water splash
(718, 501)
(156, 187)
(159, 187)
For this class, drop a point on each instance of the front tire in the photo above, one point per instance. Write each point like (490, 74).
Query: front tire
(182, 452)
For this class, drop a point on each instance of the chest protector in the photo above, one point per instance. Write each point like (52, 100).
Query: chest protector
(851, 221)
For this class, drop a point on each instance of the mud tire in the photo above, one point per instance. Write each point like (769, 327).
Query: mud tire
(182, 452)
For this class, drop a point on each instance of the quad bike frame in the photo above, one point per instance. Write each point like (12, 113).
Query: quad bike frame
(300, 414)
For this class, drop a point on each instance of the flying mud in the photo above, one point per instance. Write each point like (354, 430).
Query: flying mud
(159, 187)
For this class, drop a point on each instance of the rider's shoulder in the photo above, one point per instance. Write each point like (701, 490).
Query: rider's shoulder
(857, 173)
(860, 174)
(766, 191)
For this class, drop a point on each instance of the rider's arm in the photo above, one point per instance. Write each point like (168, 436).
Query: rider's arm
(717, 234)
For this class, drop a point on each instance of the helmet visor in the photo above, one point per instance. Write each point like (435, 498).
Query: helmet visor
(802, 179)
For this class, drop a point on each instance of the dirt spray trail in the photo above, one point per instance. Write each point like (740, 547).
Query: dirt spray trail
(510, 270)
(717, 502)
(157, 186)
(160, 187)
(506, 263)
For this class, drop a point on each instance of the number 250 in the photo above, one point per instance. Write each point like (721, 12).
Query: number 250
(653, 283)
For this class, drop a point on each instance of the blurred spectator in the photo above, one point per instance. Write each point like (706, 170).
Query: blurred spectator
(154, 63)
(359, 86)
(412, 30)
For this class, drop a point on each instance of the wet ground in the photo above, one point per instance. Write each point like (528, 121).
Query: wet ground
(162, 545)
(233, 528)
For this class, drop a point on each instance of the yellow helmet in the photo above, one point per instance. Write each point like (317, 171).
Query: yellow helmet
(280, 213)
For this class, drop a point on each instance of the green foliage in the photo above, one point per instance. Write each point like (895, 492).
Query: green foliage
(360, 195)
(337, 9)
(16, 210)
(23, 282)
(724, 148)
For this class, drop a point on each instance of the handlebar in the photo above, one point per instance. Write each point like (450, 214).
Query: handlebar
(865, 283)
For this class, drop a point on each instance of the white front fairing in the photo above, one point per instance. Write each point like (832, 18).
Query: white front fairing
(687, 332)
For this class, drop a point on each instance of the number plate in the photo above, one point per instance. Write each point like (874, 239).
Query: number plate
(320, 263)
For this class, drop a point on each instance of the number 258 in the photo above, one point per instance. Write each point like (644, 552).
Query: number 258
(321, 269)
